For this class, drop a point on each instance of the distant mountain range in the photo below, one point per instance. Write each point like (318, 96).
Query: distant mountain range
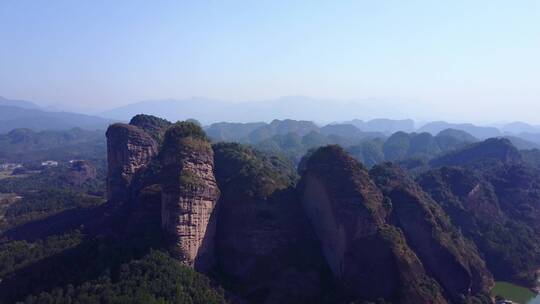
(241, 119)
(476, 131)
(301, 108)
(16, 114)
(387, 126)
(519, 127)
(18, 103)
(290, 107)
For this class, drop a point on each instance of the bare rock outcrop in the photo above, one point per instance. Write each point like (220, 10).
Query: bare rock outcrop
(129, 149)
(189, 195)
(370, 258)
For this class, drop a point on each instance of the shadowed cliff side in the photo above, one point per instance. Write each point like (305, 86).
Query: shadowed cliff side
(369, 258)
(129, 149)
(266, 252)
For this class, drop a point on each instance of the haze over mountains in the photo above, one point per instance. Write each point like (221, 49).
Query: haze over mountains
(320, 111)
(292, 107)
(270, 152)
(25, 114)
(247, 121)
(18, 103)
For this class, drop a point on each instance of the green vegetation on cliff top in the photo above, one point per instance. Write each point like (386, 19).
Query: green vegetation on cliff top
(251, 172)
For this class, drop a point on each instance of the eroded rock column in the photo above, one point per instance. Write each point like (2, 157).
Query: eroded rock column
(189, 195)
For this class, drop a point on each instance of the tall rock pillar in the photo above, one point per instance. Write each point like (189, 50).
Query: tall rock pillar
(189, 195)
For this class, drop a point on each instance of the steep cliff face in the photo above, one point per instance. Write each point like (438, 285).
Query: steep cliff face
(265, 250)
(129, 149)
(451, 259)
(150, 174)
(189, 195)
(369, 258)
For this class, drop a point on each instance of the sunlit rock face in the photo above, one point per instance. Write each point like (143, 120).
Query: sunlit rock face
(189, 195)
(129, 149)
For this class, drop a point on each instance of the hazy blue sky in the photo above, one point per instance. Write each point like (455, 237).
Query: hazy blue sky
(461, 60)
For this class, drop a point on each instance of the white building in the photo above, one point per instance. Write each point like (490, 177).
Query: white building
(9, 166)
(49, 163)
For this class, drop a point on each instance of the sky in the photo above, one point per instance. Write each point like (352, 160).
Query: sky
(458, 60)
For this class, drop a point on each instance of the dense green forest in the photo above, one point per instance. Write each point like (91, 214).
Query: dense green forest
(24, 145)
(155, 278)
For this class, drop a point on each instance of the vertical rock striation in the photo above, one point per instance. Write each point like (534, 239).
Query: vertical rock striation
(189, 195)
(129, 149)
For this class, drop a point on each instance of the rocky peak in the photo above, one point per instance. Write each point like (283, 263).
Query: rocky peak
(189, 194)
(129, 149)
(369, 258)
(344, 177)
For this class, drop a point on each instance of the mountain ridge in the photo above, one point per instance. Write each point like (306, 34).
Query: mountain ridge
(38, 120)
